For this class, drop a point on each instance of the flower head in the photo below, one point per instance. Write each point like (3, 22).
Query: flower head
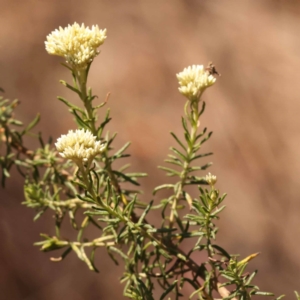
(193, 80)
(211, 179)
(79, 145)
(78, 44)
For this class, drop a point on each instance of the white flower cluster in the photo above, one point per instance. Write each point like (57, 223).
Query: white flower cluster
(79, 145)
(193, 80)
(211, 179)
(78, 44)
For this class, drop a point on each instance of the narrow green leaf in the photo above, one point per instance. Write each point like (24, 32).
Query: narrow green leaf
(170, 171)
(184, 125)
(218, 210)
(69, 104)
(222, 251)
(137, 174)
(177, 140)
(145, 212)
(70, 87)
(123, 255)
(262, 293)
(206, 138)
(183, 157)
(5, 172)
(65, 253)
(16, 122)
(176, 162)
(168, 290)
(130, 206)
(122, 149)
(31, 124)
(163, 186)
(126, 178)
(37, 216)
(100, 105)
(66, 66)
(79, 121)
(249, 279)
(201, 155)
(102, 125)
(111, 139)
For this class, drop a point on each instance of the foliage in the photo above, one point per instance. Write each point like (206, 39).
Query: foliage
(96, 194)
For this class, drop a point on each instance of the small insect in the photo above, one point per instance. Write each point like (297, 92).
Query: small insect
(211, 69)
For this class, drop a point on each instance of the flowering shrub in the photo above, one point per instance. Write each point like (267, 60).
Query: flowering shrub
(77, 178)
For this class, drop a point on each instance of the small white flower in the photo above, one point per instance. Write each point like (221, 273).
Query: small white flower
(77, 44)
(193, 80)
(79, 145)
(211, 179)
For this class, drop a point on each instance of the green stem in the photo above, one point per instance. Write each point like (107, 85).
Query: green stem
(193, 118)
(102, 241)
(81, 76)
(82, 80)
(210, 253)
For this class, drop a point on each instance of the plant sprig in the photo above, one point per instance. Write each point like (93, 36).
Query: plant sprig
(77, 180)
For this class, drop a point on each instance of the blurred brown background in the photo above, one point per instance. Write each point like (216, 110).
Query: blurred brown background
(253, 110)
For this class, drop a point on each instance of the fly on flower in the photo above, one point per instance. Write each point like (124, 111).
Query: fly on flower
(193, 81)
(211, 69)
